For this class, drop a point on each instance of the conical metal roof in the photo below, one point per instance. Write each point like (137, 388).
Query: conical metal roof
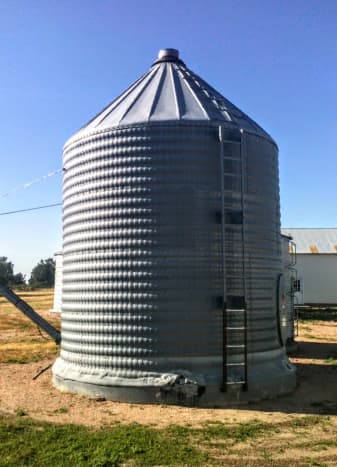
(168, 92)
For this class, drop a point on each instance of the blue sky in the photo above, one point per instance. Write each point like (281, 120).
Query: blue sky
(63, 61)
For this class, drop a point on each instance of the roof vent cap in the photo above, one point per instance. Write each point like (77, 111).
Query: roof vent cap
(168, 55)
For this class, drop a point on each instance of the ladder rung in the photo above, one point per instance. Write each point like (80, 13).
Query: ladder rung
(238, 328)
(235, 346)
(231, 141)
(236, 382)
(235, 275)
(235, 309)
(236, 364)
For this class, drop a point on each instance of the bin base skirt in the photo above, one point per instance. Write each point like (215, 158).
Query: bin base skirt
(267, 379)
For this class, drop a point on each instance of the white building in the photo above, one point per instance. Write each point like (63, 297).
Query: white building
(290, 274)
(316, 265)
(58, 283)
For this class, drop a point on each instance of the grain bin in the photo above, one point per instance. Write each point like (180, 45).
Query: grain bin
(172, 275)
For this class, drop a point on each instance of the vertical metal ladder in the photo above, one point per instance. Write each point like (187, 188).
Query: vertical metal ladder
(233, 244)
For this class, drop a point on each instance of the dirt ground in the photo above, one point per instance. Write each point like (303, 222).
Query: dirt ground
(316, 394)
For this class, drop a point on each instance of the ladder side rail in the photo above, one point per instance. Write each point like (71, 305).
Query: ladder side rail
(224, 285)
(230, 306)
(244, 284)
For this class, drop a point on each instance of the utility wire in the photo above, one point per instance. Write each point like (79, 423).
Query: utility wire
(30, 209)
(29, 184)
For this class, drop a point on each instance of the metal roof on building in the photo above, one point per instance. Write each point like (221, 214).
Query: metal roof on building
(170, 91)
(314, 241)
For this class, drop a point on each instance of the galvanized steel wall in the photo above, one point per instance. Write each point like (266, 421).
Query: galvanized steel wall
(142, 270)
(262, 241)
(142, 251)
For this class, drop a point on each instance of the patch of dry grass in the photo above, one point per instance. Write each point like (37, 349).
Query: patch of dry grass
(20, 339)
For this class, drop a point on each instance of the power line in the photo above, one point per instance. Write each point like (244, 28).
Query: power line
(29, 184)
(30, 209)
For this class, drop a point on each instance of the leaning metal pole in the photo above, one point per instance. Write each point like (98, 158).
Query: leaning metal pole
(30, 313)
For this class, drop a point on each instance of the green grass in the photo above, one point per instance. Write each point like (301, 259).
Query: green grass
(332, 359)
(25, 442)
(238, 433)
(62, 410)
(310, 336)
(308, 421)
(318, 313)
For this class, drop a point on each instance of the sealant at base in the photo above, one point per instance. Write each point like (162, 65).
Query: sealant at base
(266, 379)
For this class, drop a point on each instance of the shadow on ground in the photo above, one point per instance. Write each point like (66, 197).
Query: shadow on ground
(315, 350)
(316, 392)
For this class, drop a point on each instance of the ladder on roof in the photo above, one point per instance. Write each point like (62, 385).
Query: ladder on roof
(233, 242)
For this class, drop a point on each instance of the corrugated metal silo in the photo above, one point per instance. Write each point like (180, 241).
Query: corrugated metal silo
(172, 283)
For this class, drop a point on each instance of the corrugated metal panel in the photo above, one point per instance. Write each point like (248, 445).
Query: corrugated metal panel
(262, 240)
(141, 251)
(315, 241)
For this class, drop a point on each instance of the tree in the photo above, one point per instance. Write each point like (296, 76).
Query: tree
(7, 276)
(18, 279)
(6, 271)
(43, 274)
